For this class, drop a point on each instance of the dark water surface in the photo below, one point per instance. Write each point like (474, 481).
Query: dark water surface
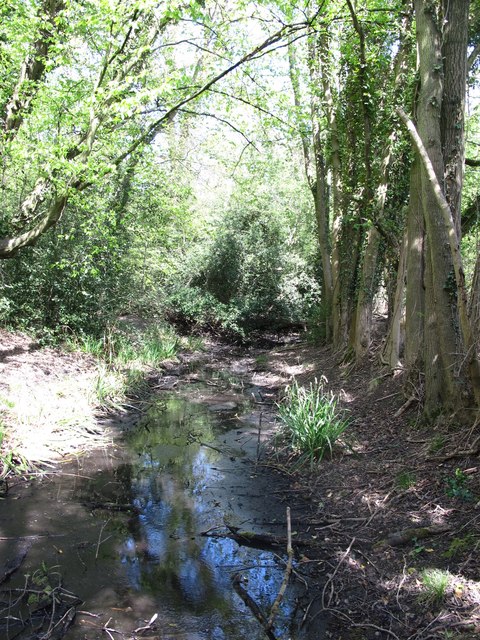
(186, 468)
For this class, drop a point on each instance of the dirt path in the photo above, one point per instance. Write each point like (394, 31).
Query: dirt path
(390, 526)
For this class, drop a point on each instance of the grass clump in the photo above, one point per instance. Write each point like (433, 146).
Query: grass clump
(313, 422)
(435, 583)
(405, 479)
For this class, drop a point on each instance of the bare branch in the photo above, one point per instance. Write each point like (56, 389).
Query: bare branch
(155, 127)
(222, 120)
(472, 58)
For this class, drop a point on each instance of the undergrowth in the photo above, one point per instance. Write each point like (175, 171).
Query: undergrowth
(124, 354)
(312, 419)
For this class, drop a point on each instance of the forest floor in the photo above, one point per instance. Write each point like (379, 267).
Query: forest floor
(388, 528)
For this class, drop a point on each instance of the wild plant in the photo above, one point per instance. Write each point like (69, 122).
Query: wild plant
(435, 583)
(312, 419)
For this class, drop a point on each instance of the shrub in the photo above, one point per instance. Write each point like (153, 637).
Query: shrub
(312, 419)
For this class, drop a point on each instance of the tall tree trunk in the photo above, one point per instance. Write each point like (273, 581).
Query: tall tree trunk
(474, 306)
(448, 337)
(454, 53)
(336, 180)
(316, 175)
(392, 346)
(415, 278)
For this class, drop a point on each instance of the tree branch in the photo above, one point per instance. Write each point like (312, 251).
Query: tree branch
(156, 126)
(32, 69)
(222, 120)
(473, 56)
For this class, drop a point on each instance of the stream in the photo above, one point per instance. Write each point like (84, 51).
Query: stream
(121, 529)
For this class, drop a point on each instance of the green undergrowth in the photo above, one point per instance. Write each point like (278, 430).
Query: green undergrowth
(124, 357)
(312, 420)
(435, 583)
(11, 461)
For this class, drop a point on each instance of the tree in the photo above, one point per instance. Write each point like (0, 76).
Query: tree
(449, 352)
(97, 100)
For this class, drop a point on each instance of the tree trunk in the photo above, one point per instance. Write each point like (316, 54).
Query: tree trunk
(316, 175)
(474, 307)
(446, 343)
(335, 168)
(415, 278)
(392, 346)
(454, 52)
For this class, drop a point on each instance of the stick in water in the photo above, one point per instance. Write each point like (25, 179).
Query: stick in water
(286, 575)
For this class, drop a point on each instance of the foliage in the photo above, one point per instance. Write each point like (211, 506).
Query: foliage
(312, 420)
(455, 486)
(11, 461)
(256, 268)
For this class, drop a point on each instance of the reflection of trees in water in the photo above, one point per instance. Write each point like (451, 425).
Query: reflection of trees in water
(164, 555)
(166, 477)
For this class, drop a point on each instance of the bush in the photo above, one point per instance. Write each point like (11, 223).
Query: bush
(247, 277)
(312, 419)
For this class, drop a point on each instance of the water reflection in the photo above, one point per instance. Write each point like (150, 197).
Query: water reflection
(173, 483)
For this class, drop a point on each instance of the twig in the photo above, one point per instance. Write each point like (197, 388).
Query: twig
(473, 451)
(390, 395)
(330, 579)
(259, 434)
(148, 626)
(100, 538)
(286, 575)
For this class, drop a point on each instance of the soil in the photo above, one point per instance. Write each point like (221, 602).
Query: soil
(396, 500)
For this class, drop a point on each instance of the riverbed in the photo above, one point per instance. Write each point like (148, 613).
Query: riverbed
(133, 531)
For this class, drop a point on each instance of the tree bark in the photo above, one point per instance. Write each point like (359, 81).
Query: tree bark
(454, 53)
(415, 278)
(392, 346)
(448, 338)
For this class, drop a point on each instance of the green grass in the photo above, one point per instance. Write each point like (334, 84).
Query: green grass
(312, 420)
(405, 479)
(435, 583)
(121, 348)
(11, 462)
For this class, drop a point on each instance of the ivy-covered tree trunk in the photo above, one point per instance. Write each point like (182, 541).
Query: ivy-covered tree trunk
(316, 174)
(449, 352)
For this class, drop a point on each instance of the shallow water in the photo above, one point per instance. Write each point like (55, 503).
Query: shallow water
(186, 468)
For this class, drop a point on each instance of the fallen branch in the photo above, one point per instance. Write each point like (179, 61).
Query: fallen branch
(286, 576)
(473, 451)
(405, 406)
(255, 540)
(252, 605)
(110, 506)
(408, 535)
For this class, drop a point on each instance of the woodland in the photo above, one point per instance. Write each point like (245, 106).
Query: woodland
(235, 166)
(247, 172)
